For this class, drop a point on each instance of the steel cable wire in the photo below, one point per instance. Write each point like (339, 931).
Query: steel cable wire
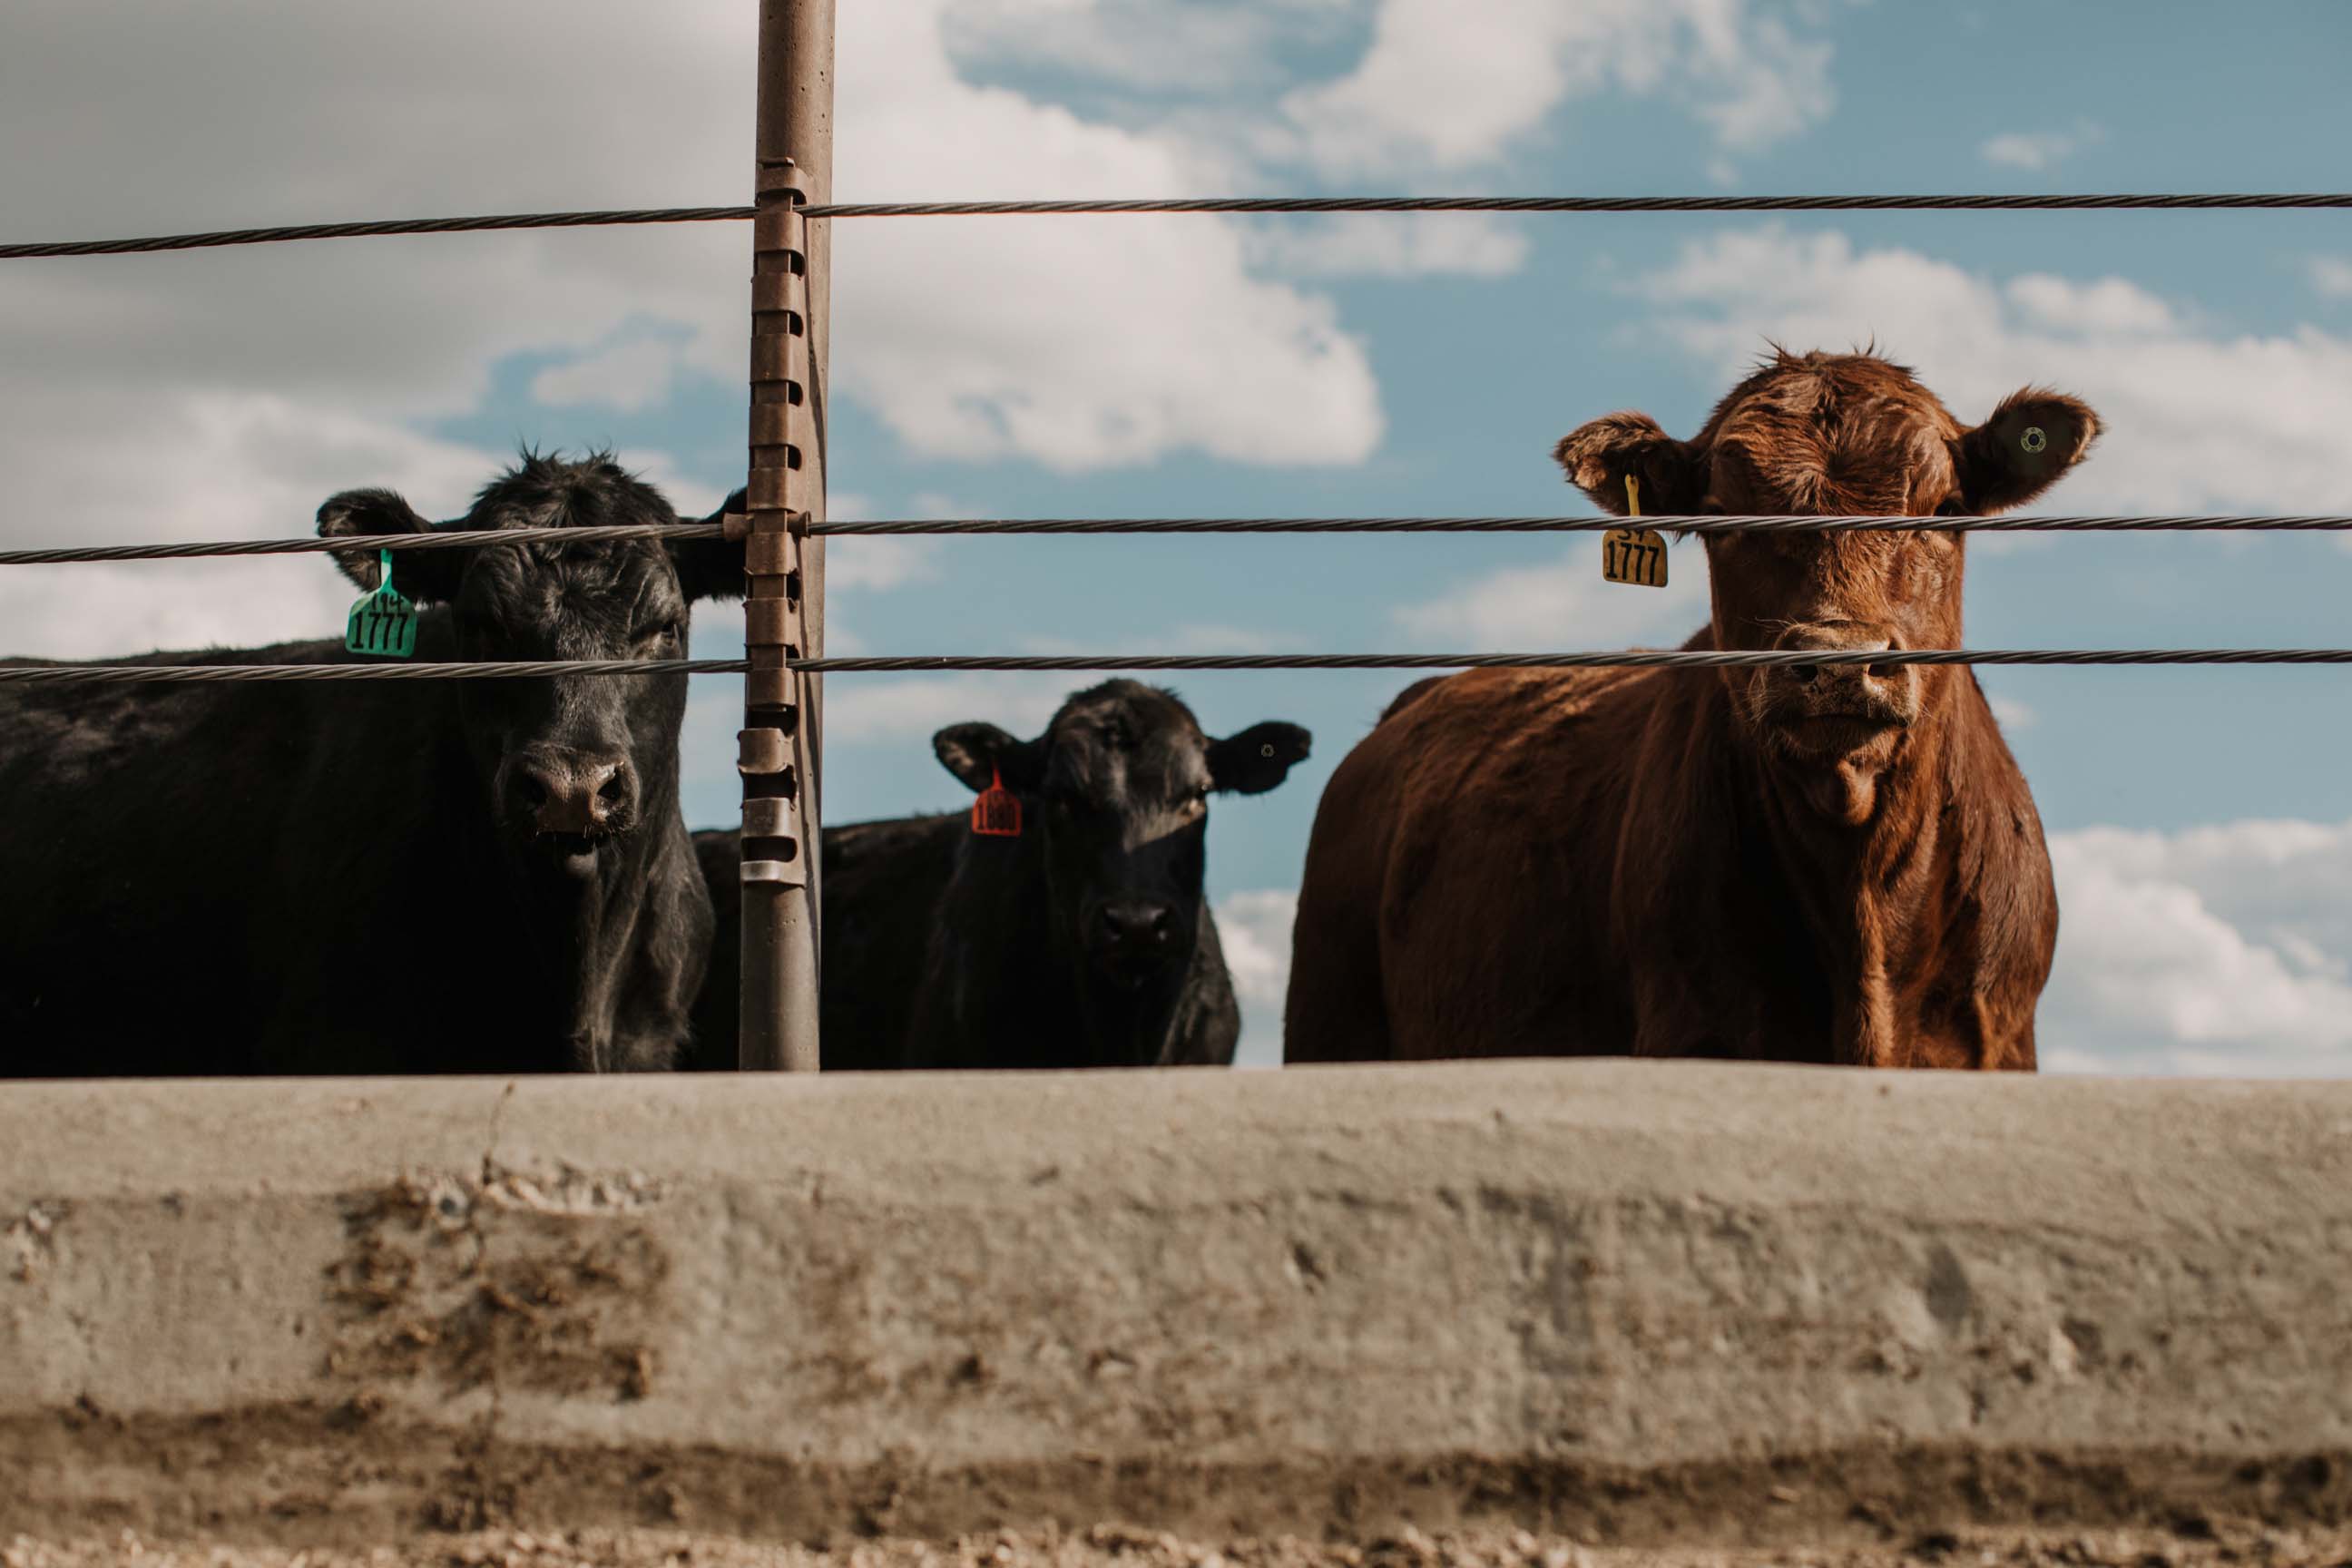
(83, 555)
(1702, 658)
(379, 228)
(360, 543)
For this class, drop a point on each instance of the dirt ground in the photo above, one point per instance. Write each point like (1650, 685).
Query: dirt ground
(1113, 1547)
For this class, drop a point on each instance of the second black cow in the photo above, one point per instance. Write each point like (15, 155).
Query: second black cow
(1085, 940)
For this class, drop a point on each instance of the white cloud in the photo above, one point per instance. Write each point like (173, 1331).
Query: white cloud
(2039, 149)
(1437, 91)
(237, 465)
(2222, 949)
(1563, 605)
(628, 375)
(1081, 343)
(2331, 277)
(2168, 384)
(1197, 47)
(2010, 714)
(1255, 928)
(1399, 244)
(226, 393)
(915, 706)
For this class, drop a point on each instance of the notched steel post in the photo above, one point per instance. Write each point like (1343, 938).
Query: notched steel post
(778, 1004)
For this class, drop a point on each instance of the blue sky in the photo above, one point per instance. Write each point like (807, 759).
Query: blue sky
(1155, 365)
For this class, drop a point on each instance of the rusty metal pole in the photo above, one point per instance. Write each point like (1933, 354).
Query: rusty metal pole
(783, 608)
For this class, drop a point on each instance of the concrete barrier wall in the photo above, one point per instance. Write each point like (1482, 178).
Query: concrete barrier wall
(1638, 1300)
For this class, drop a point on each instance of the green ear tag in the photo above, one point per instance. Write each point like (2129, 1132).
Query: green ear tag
(382, 623)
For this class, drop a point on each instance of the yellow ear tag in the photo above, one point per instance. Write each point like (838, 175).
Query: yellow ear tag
(1636, 556)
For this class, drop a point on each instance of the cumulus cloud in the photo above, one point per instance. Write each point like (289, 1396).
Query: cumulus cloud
(1198, 48)
(628, 375)
(1255, 928)
(2167, 383)
(2039, 149)
(1433, 93)
(1081, 343)
(2222, 950)
(226, 393)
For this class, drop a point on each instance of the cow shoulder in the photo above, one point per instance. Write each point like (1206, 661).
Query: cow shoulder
(2006, 884)
(884, 887)
(1206, 1023)
(1493, 917)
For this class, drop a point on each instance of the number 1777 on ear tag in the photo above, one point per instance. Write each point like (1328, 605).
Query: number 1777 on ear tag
(1636, 556)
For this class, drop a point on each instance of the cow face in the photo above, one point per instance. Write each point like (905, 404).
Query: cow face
(1830, 435)
(570, 766)
(1117, 789)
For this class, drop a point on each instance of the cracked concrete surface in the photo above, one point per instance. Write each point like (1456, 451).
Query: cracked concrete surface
(1637, 1302)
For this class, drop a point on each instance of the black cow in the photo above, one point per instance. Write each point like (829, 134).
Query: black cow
(469, 875)
(1085, 941)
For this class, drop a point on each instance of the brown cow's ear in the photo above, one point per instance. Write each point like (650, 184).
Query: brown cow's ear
(2027, 445)
(979, 753)
(1597, 458)
(710, 568)
(422, 575)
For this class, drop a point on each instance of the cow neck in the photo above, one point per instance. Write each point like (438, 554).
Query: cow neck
(1857, 884)
(1131, 1026)
(580, 933)
(1034, 963)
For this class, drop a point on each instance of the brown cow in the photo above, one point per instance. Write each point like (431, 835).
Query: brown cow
(1812, 863)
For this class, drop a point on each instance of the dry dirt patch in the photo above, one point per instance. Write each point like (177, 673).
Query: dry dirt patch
(2196, 1545)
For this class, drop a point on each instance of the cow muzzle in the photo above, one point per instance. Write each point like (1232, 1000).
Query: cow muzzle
(568, 801)
(1830, 711)
(1132, 938)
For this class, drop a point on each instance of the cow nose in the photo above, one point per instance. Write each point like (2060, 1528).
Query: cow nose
(1880, 690)
(571, 794)
(1137, 923)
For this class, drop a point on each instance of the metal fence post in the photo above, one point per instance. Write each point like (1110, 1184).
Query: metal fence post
(783, 609)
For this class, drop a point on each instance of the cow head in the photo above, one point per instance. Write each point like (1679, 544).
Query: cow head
(1117, 791)
(1836, 434)
(570, 766)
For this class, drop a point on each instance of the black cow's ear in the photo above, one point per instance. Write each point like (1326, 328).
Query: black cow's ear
(1257, 758)
(1598, 457)
(421, 574)
(711, 568)
(979, 753)
(2027, 445)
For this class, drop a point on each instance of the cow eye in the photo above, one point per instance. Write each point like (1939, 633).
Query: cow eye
(1953, 507)
(665, 633)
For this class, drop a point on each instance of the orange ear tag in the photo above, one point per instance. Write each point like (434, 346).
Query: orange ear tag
(1636, 556)
(997, 813)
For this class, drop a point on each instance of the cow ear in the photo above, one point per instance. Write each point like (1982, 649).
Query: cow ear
(420, 573)
(1598, 457)
(711, 568)
(978, 754)
(1258, 758)
(2027, 445)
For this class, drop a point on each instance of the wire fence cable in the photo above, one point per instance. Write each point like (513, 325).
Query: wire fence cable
(1637, 659)
(1724, 523)
(1233, 205)
(360, 543)
(455, 538)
